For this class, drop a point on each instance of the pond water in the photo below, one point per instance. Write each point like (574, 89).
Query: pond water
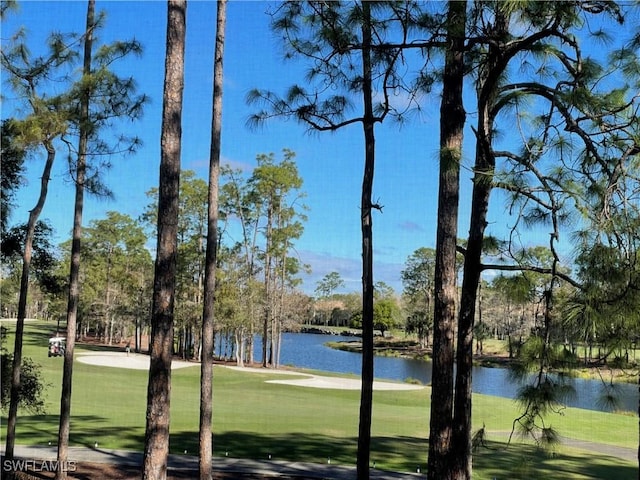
(306, 350)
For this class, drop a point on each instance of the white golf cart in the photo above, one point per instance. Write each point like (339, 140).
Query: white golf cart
(57, 346)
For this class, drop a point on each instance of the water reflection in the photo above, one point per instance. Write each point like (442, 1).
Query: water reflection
(305, 350)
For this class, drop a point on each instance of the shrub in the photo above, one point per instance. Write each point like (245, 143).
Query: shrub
(32, 385)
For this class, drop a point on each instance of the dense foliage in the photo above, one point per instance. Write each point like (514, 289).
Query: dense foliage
(32, 385)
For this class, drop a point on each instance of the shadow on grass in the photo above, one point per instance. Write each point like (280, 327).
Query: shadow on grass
(36, 333)
(289, 446)
(407, 454)
(402, 454)
(85, 431)
(399, 453)
(522, 461)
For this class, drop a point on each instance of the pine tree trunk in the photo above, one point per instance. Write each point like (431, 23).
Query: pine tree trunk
(452, 119)
(156, 449)
(74, 271)
(34, 214)
(482, 185)
(208, 314)
(366, 394)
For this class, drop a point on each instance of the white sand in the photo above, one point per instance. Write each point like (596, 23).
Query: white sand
(138, 361)
(319, 381)
(135, 361)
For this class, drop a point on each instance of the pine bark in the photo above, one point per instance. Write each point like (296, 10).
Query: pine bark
(156, 448)
(74, 270)
(208, 314)
(366, 394)
(16, 368)
(482, 185)
(452, 119)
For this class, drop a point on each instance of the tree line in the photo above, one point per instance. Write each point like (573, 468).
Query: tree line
(519, 64)
(568, 164)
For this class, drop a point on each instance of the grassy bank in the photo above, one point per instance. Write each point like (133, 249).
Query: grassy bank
(255, 419)
(494, 354)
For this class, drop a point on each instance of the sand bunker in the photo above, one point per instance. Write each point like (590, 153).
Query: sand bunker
(319, 381)
(135, 361)
(139, 361)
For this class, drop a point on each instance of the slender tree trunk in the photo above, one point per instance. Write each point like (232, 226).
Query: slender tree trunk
(366, 393)
(471, 280)
(137, 335)
(266, 358)
(208, 314)
(156, 449)
(482, 185)
(452, 119)
(240, 351)
(74, 271)
(110, 319)
(250, 355)
(281, 301)
(34, 214)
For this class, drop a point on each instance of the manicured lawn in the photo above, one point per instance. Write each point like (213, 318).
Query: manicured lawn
(255, 419)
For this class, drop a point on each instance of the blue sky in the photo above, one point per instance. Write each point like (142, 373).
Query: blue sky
(329, 163)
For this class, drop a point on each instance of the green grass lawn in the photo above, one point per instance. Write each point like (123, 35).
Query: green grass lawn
(254, 419)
